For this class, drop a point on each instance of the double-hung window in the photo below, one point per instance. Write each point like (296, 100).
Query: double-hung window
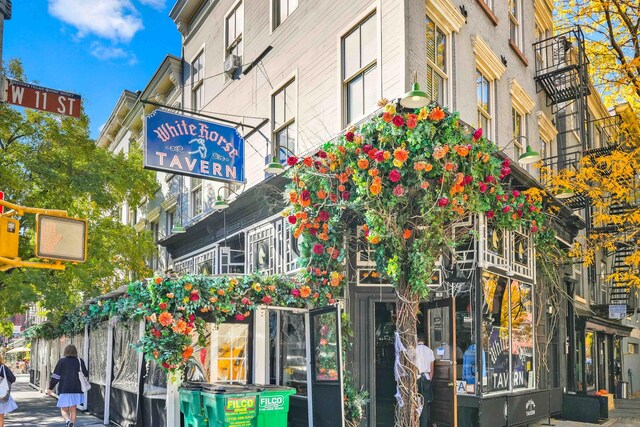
(284, 117)
(234, 25)
(196, 197)
(359, 69)
(484, 99)
(197, 82)
(515, 22)
(436, 87)
(281, 10)
(519, 131)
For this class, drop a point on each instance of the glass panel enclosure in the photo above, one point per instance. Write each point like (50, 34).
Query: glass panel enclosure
(325, 347)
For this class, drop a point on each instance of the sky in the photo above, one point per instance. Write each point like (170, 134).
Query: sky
(95, 48)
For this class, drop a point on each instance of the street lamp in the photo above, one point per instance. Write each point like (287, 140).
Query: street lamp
(275, 166)
(415, 98)
(529, 156)
(222, 203)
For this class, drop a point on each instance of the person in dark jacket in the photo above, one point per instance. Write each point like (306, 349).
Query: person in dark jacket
(65, 375)
(10, 404)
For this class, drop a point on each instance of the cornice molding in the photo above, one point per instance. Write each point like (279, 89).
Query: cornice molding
(520, 98)
(548, 131)
(487, 61)
(445, 14)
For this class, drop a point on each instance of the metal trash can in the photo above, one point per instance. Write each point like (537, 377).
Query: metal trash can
(622, 390)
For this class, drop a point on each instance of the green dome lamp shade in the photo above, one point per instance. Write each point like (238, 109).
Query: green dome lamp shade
(415, 98)
(566, 193)
(220, 204)
(178, 229)
(274, 167)
(529, 156)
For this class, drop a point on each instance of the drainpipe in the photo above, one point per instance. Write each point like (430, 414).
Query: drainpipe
(571, 334)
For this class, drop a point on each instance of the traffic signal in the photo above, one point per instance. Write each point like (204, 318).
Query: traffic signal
(61, 238)
(9, 236)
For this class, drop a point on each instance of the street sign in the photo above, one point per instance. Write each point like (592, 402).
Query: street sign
(617, 311)
(41, 98)
(191, 146)
(61, 238)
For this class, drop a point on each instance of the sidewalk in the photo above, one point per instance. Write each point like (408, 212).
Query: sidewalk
(37, 409)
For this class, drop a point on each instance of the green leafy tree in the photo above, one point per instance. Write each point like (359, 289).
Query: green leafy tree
(6, 329)
(49, 161)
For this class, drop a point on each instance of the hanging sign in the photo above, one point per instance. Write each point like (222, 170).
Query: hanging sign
(617, 311)
(191, 146)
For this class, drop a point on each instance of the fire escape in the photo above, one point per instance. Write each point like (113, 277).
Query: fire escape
(561, 73)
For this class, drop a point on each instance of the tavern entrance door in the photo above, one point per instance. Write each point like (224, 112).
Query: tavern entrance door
(440, 329)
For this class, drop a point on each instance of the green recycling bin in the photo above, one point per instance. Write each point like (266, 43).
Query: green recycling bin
(230, 405)
(191, 404)
(273, 405)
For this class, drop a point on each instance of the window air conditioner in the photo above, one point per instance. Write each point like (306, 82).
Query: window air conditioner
(232, 64)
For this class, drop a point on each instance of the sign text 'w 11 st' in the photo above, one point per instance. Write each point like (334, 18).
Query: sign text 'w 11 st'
(41, 98)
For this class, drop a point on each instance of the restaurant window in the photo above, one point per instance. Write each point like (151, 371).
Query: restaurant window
(359, 69)
(196, 197)
(589, 360)
(437, 78)
(281, 10)
(284, 117)
(507, 334)
(466, 342)
(230, 346)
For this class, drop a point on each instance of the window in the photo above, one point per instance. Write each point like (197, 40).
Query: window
(133, 216)
(171, 219)
(196, 197)
(281, 10)
(197, 86)
(507, 334)
(234, 25)
(359, 69)
(287, 352)
(518, 123)
(483, 94)
(515, 33)
(436, 62)
(284, 116)
(632, 348)
(155, 235)
(230, 353)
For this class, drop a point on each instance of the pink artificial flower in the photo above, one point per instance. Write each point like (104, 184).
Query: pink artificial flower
(292, 219)
(323, 216)
(477, 134)
(394, 175)
(398, 190)
(318, 249)
(506, 209)
(442, 202)
(292, 160)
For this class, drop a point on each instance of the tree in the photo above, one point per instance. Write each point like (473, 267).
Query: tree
(406, 178)
(51, 162)
(612, 38)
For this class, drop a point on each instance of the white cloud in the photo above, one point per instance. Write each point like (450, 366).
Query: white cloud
(156, 4)
(108, 53)
(116, 20)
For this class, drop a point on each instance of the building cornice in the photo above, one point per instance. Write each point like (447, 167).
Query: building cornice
(487, 61)
(544, 14)
(548, 131)
(520, 99)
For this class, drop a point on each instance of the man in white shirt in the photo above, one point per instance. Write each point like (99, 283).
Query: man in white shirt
(425, 362)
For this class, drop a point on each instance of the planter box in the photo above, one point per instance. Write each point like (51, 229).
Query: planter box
(585, 408)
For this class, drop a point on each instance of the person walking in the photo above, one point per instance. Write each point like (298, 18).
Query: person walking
(7, 404)
(70, 393)
(425, 362)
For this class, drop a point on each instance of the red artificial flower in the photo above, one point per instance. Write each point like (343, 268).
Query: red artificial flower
(482, 187)
(292, 160)
(292, 219)
(515, 193)
(194, 297)
(156, 333)
(468, 179)
(394, 175)
(245, 301)
(323, 216)
(534, 228)
(506, 163)
(366, 148)
(165, 365)
(295, 292)
(266, 299)
(412, 121)
(532, 208)
(322, 154)
(519, 213)
(318, 249)
(506, 209)
(349, 136)
(477, 134)
(490, 178)
(192, 318)
(398, 190)
(442, 202)
(306, 195)
(490, 214)
(239, 316)
(398, 120)
(162, 306)
(345, 195)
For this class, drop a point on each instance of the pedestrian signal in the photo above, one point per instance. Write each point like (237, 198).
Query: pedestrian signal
(61, 238)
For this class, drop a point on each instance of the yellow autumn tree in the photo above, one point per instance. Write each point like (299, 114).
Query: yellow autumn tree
(612, 41)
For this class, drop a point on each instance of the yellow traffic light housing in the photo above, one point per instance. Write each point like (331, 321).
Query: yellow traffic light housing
(9, 237)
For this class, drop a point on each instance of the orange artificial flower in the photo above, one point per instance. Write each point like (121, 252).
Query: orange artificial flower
(213, 300)
(308, 161)
(374, 240)
(341, 187)
(407, 233)
(400, 154)
(373, 172)
(165, 318)
(386, 155)
(293, 196)
(342, 149)
(343, 177)
(462, 150)
(440, 151)
(188, 351)
(424, 185)
(449, 166)
(179, 327)
(363, 163)
(221, 292)
(419, 166)
(436, 114)
(187, 286)
(305, 291)
(412, 121)
(428, 167)
(386, 116)
(321, 194)
(158, 280)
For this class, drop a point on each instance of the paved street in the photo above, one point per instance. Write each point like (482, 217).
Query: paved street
(37, 409)
(626, 414)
